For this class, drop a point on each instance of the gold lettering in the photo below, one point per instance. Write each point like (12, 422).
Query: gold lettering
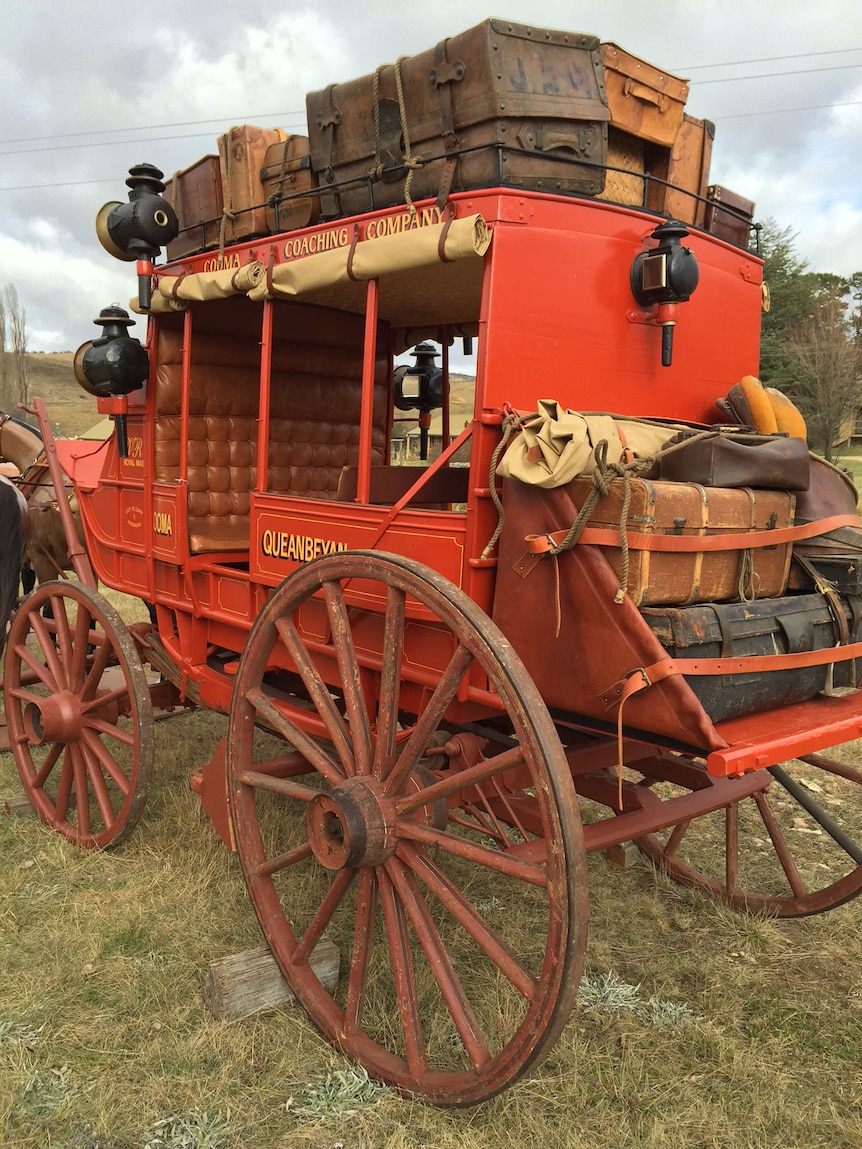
(162, 524)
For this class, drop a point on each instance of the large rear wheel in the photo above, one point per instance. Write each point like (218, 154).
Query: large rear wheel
(791, 849)
(445, 860)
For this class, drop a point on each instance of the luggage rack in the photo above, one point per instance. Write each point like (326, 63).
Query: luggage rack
(648, 180)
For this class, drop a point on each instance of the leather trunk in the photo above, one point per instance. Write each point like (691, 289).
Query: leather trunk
(644, 101)
(196, 196)
(788, 625)
(286, 174)
(500, 104)
(242, 153)
(656, 577)
(728, 215)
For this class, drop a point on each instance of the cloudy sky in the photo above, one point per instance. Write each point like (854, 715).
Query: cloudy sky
(88, 88)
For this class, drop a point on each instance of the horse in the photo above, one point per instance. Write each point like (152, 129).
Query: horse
(14, 521)
(47, 550)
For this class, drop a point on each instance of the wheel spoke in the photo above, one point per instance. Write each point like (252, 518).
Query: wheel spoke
(495, 860)
(731, 848)
(363, 927)
(401, 960)
(287, 787)
(459, 780)
(59, 674)
(324, 914)
(782, 850)
(454, 901)
(677, 835)
(97, 780)
(430, 719)
(318, 692)
(80, 653)
(102, 658)
(48, 765)
(111, 730)
(283, 861)
(106, 759)
(304, 743)
(390, 681)
(64, 789)
(351, 679)
(82, 792)
(457, 1002)
(41, 670)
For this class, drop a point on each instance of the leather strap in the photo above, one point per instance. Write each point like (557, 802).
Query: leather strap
(610, 537)
(645, 676)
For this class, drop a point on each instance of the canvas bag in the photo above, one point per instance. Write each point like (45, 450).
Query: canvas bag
(557, 444)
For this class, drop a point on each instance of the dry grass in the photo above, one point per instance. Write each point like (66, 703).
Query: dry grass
(698, 1027)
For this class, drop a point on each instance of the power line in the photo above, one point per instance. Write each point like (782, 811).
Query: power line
(152, 127)
(782, 111)
(772, 75)
(105, 143)
(767, 60)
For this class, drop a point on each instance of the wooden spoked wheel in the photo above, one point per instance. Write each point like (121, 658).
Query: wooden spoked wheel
(78, 713)
(454, 890)
(789, 850)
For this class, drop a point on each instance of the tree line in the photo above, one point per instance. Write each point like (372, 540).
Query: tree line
(13, 351)
(811, 340)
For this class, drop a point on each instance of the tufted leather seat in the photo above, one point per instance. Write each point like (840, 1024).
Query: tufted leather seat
(316, 384)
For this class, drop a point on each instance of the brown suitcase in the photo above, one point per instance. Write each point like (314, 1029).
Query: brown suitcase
(668, 578)
(195, 195)
(728, 215)
(644, 101)
(500, 104)
(241, 157)
(688, 171)
(285, 175)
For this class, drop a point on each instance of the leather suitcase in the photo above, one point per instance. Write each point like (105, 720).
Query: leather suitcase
(644, 101)
(728, 215)
(668, 578)
(500, 104)
(285, 175)
(196, 196)
(786, 625)
(688, 171)
(241, 156)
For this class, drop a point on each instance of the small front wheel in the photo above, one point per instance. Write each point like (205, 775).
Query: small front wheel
(79, 714)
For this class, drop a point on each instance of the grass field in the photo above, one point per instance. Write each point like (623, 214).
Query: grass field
(696, 1027)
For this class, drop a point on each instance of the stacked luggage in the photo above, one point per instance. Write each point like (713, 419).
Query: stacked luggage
(501, 105)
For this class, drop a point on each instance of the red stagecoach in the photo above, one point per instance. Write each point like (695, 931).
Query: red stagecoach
(449, 680)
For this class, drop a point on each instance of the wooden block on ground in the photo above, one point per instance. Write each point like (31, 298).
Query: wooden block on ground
(623, 854)
(19, 807)
(243, 983)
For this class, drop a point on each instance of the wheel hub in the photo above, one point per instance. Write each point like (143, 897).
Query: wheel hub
(352, 825)
(56, 718)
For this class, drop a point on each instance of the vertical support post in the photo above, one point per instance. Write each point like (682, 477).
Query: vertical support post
(77, 553)
(444, 364)
(366, 410)
(264, 399)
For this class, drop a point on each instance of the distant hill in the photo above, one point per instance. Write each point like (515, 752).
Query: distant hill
(52, 379)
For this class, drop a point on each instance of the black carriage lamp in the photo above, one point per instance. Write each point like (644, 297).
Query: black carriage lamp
(419, 387)
(111, 367)
(666, 275)
(137, 230)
